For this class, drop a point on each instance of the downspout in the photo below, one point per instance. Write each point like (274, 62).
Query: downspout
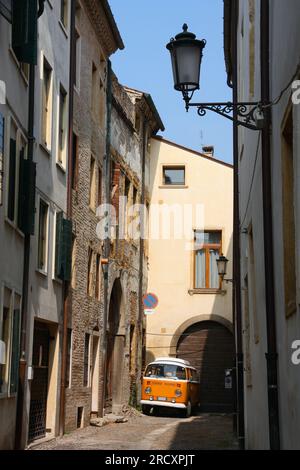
(142, 249)
(105, 264)
(20, 419)
(237, 301)
(66, 284)
(271, 355)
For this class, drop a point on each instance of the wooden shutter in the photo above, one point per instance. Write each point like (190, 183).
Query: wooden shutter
(67, 250)
(15, 355)
(63, 248)
(24, 30)
(12, 180)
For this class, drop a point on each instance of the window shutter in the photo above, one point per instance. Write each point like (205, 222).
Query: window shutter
(15, 355)
(67, 250)
(63, 252)
(24, 30)
(58, 242)
(27, 181)
(12, 180)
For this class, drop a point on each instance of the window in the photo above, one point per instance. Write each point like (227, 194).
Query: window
(62, 127)
(98, 277)
(77, 61)
(99, 187)
(43, 236)
(12, 184)
(86, 363)
(92, 197)
(2, 128)
(207, 250)
(74, 253)
(90, 273)
(94, 90)
(46, 105)
(25, 70)
(127, 205)
(5, 341)
(288, 204)
(69, 358)
(64, 12)
(9, 342)
(173, 175)
(17, 154)
(75, 162)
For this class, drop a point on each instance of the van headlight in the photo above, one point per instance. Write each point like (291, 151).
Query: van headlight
(148, 390)
(178, 393)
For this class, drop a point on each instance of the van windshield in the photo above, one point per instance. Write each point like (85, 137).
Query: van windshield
(166, 371)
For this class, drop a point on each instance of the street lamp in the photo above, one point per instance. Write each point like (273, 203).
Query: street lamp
(222, 262)
(186, 55)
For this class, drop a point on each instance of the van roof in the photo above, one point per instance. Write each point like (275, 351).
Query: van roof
(173, 360)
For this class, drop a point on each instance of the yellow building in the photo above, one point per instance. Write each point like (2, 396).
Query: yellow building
(191, 224)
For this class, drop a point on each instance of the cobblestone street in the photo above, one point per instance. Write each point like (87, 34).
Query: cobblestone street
(164, 432)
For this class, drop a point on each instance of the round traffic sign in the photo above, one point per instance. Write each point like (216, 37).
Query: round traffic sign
(150, 301)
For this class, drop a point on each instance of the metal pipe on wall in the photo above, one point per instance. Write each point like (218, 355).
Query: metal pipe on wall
(107, 179)
(237, 302)
(271, 355)
(67, 309)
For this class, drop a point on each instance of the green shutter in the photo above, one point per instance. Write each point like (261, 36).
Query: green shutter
(27, 181)
(67, 250)
(63, 248)
(12, 181)
(58, 241)
(15, 354)
(24, 30)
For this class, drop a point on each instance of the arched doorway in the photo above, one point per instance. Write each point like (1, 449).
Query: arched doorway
(115, 349)
(209, 346)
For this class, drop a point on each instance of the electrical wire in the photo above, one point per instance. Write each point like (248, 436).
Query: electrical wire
(252, 181)
(277, 100)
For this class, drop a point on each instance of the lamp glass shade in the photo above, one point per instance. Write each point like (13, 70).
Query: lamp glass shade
(222, 265)
(186, 56)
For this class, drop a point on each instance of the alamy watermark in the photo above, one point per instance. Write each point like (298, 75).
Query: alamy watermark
(156, 222)
(296, 92)
(296, 353)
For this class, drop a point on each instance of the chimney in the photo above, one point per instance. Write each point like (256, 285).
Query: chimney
(208, 150)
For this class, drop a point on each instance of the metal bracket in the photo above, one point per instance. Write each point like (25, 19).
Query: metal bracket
(246, 112)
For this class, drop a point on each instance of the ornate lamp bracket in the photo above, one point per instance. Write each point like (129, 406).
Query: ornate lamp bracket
(249, 115)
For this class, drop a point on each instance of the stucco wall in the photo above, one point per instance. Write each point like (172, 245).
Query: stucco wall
(208, 183)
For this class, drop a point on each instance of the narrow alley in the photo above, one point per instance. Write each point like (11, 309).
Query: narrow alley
(164, 432)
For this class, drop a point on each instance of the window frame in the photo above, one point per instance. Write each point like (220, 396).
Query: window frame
(207, 247)
(19, 136)
(39, 269)
(173, 167)
(12, 304)
(46, 116)
(62, 128)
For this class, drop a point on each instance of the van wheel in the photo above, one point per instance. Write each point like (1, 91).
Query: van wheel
(188, 410)
(146, 409)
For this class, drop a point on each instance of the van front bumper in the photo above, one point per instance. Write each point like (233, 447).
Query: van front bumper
(163, 403)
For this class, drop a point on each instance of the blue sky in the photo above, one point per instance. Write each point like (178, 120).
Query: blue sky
(146, 26)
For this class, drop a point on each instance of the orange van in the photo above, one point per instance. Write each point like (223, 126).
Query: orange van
(170, 382)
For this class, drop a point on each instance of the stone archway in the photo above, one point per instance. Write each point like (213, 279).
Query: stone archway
(207, 343)
(115, 349)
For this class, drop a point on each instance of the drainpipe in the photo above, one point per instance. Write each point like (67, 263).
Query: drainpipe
(20, 419)
(142, 249)
(271, 355)
(21, 397)
(105, 261)
(66, 284)
(237, 301)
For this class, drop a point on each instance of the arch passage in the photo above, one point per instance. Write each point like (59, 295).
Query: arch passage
(209, 347)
